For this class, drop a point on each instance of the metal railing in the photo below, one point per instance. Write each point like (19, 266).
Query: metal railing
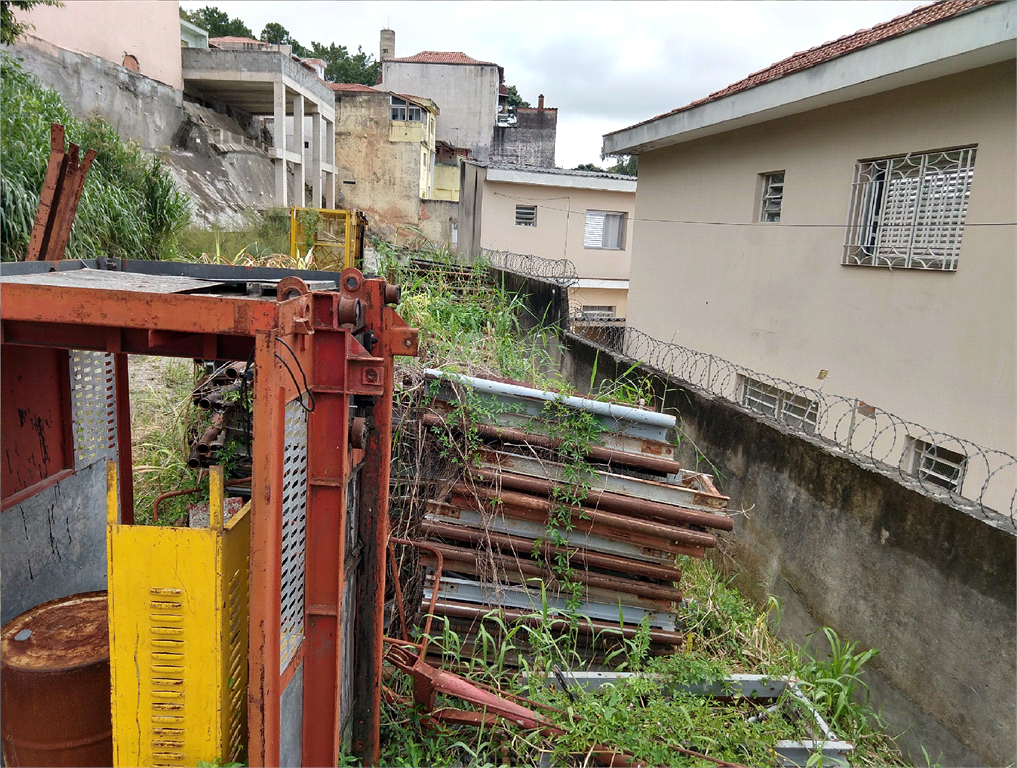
(982, 481)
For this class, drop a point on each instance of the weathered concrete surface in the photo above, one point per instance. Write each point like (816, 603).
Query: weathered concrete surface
(844, 546)
(437, 218)
(54, 544)
(139, 108)
(530, 141)
(217, 157)
(291, 719)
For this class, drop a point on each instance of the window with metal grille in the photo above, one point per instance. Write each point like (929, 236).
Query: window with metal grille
(773, 195)
(526, 215)
(794, 410)
(909, 211)
(604, 229)
(935, 464)
(598, 310)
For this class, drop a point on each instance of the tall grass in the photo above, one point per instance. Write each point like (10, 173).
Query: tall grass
(130, 207)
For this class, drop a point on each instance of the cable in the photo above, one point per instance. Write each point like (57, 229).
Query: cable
(300, 392)
(729, 223)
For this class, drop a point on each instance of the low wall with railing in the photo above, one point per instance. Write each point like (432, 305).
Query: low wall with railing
(843, 538)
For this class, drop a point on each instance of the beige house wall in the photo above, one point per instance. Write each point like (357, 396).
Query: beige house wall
(561, 221)
(600, 297)
(937, 348)
(149, 30)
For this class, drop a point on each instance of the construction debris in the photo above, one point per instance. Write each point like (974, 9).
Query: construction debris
(564, 505)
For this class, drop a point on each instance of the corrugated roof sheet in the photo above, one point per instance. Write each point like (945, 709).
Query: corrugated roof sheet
(556, 171)
(920, 17)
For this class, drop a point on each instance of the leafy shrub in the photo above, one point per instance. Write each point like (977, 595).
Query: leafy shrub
(130, 207)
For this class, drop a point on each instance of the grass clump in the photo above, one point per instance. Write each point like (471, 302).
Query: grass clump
(130, 207)
(266, 235)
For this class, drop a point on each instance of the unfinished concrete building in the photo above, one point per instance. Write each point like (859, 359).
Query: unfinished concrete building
(266, 81)
(526, 136)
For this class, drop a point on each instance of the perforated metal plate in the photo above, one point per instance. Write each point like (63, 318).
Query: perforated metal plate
(93, 407)
(294, 528)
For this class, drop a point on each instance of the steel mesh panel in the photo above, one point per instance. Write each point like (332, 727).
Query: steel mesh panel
(294, 527)
(93, 407)
(346, 670)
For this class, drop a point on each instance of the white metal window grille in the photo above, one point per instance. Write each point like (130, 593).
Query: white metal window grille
(598, 310)
(768, 400)
(604, 229)
(909, 211)
(935, 464)
(773, 196)
(294, 529)
(526, 215)
(93, 407)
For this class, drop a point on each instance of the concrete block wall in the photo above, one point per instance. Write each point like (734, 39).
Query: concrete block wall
(843, 545)
(530, 141)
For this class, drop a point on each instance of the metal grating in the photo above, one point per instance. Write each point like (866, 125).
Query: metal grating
(294, 528)
(236, 604)
(909, 211)
(93, 407)
(347, 669)
(166, 678)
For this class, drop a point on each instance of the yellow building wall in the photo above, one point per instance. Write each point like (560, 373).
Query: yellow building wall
(446, 182)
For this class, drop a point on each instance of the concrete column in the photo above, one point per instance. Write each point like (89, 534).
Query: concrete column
(299, 196)
(330, 154)
(279, 143)
(316, 180)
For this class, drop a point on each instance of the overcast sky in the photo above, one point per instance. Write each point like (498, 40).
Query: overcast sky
(604, 65)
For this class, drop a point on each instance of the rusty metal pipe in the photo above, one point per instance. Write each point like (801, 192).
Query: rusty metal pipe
(594, 452)
(580, 525)
(193, 459)
(609, 502)
(162, 497)
(607, 519)
(434, 591)
(204, 445)
(518, 544)
(600, 581)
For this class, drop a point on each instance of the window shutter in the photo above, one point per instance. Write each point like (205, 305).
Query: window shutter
(593, 236)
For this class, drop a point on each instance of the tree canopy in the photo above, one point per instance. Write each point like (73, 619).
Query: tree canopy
(514, 99)
(10, 28)
(217, 23)
(277, 34)
(341, 67)
(627, 165)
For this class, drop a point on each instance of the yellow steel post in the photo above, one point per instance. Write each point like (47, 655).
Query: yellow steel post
(348, 259)
(294, 226)
(178, 636)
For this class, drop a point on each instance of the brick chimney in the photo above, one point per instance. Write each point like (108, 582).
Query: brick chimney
(387, 44)
(540, 101)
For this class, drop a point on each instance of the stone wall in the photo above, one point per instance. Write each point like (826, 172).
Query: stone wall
(845, 546)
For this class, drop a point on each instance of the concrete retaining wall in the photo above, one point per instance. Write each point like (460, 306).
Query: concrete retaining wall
(844, 546)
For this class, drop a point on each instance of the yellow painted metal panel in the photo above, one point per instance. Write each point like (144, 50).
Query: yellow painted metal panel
(338, 232)
(178, 639)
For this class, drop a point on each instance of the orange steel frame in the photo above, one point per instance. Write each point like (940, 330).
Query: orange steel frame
(329, 333)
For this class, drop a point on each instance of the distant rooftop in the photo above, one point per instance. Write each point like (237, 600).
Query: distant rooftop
(900, 25)
(352, 88)
(443, 57)
(558, 177)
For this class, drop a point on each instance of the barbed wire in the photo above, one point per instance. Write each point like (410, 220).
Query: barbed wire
(979, 480)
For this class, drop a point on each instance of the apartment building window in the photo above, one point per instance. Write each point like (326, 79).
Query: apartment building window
(403, 110)
(935, 464)
(604, 229)
(794, 410)
(598, 311)
(526, 215)
(773, 195)
(908, 211)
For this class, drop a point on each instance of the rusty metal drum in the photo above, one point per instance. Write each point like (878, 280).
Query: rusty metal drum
(55, 684)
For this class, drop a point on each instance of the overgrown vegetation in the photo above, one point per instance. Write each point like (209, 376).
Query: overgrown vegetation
(130, 207)
(265, 235)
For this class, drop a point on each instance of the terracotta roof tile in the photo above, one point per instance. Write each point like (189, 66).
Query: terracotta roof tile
(235, 39)
(900, 25)
(443, 57)
(352, 88)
